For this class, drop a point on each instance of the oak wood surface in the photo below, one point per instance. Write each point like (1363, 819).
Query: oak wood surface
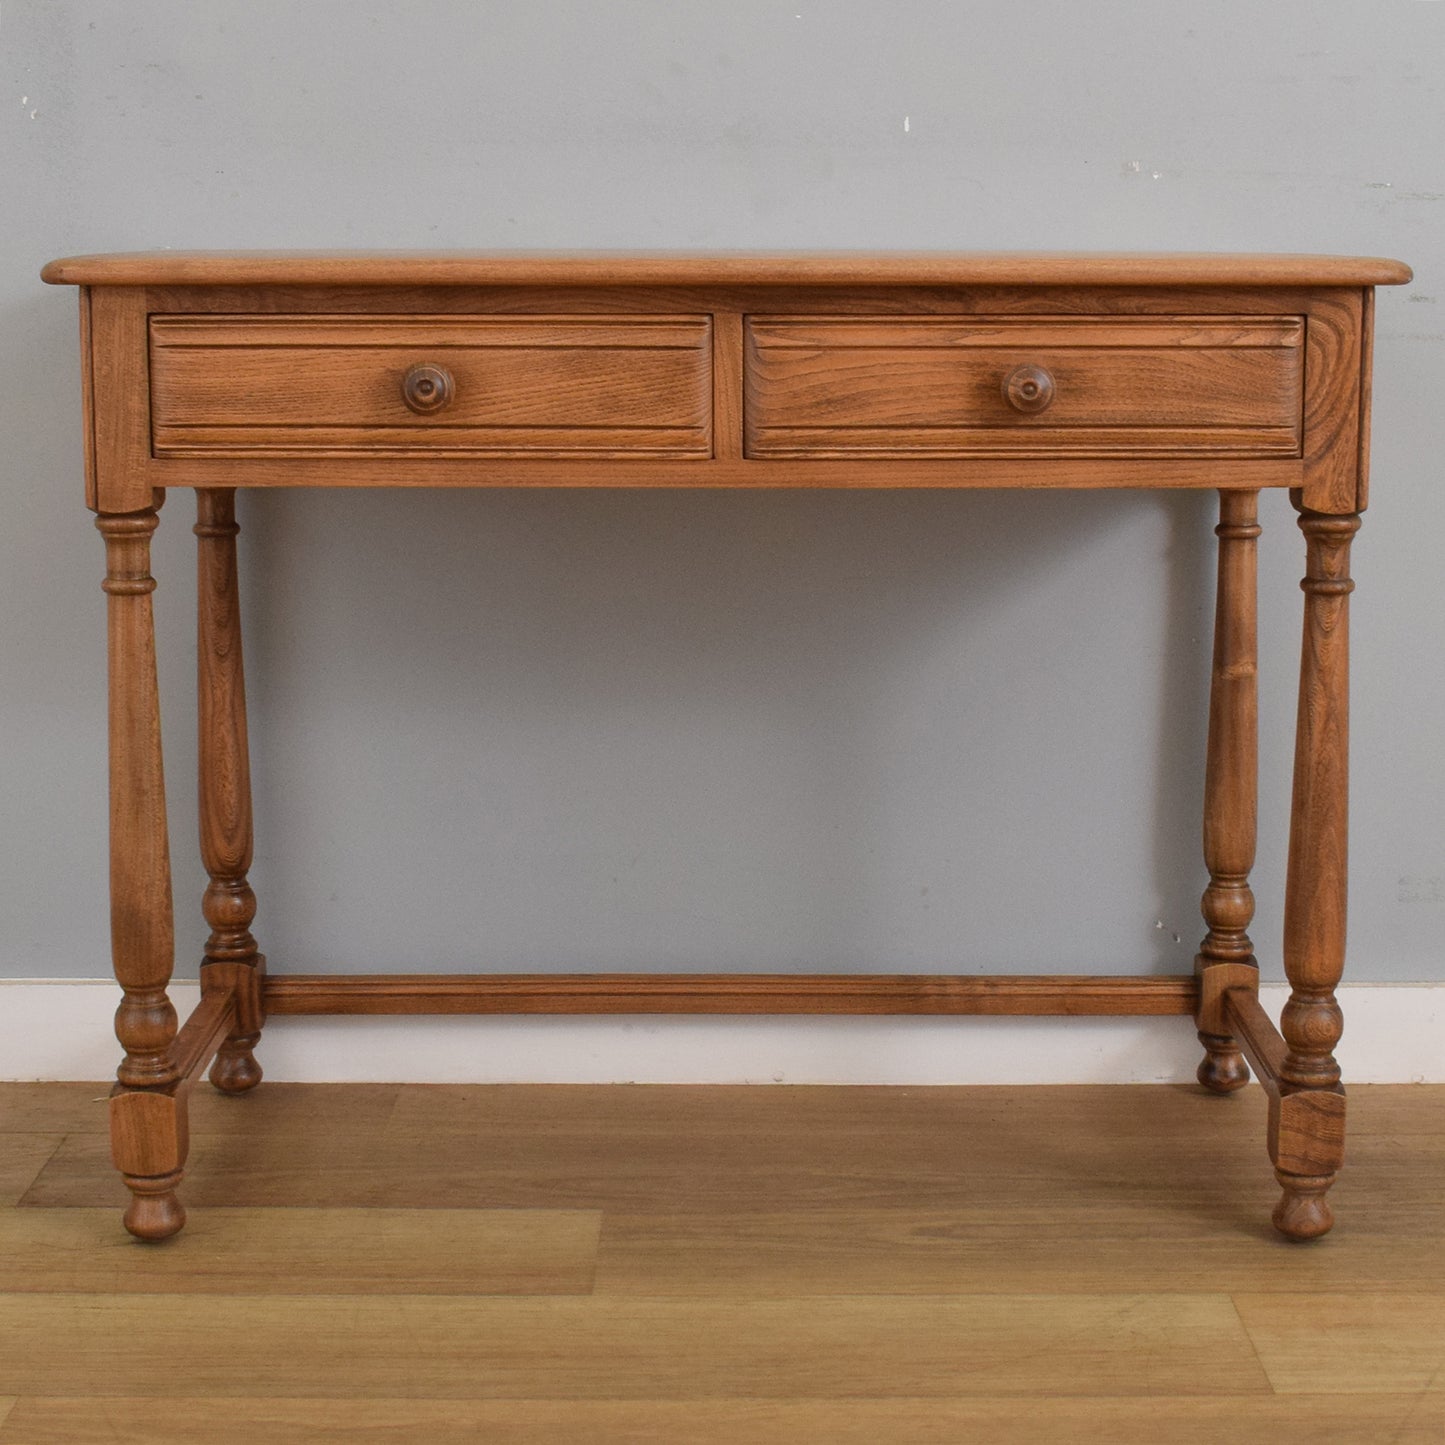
(119, 479)
(1307, 1118)
(80, 1108)
(744, 993)
(615, 386)
(22, 1156)
(818, 387)
(1012, 1420)
(210, 1024)
(1231, 786)
(308, 1252)
(392, 467)
(232, 965)
(662, 268)
(1387, 1342)
(148, 1126)
(1188, 1158)
(222, 370)
(627, 1348)
(1081, 1299)
(727, 396)
(1334, 390)
(1256, 1034)
(879, 297)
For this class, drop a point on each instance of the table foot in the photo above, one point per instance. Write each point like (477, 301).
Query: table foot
(1303, 1213)
(155, 1212)
(235, 1070)
(1222, 1070)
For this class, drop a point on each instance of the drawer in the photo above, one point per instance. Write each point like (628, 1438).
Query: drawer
(530, 386)
(1009, 386)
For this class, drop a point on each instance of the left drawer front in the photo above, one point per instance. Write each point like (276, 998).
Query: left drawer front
(535, 386)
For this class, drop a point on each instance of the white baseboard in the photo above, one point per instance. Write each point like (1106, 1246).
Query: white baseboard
(61, 1029)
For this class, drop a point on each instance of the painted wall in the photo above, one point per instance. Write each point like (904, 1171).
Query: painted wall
(703, 731)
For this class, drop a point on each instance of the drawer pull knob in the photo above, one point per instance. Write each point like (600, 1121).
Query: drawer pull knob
(1028, 388)
(426, 388)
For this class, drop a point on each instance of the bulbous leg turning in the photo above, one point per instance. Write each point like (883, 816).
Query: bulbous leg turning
(1222, 1070)
(155, 1212)
(1303, 1213)
(235, 1070)
(231, 960)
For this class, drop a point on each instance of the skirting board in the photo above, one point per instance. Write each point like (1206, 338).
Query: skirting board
(61, 1029)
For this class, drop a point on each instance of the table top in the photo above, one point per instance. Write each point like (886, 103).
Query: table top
(678, 268)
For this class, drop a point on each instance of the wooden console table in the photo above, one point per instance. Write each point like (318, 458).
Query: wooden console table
(213, 371)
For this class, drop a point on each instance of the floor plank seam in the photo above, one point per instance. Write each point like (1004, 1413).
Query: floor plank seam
(1253, 1345)
(45, 1164)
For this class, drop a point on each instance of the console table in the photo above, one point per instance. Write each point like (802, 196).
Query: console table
(212, 371)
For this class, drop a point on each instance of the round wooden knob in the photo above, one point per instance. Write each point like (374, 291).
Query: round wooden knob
(1028, 388)
(427, 388)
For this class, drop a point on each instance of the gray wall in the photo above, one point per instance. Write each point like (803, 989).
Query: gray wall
(705, 730)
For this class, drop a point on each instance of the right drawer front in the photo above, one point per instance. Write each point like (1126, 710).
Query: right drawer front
(938, 386)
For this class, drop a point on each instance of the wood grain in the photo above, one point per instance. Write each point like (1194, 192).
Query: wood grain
(118, 405)
(1012, 1420)
(616, 386)
(54, 1108)
(1231, 786)
(1367, 380)
(895, 388)
(710, 1150)
(1117, 1284)
(500, 993)
(232, 965)
(1353, 1344)
(22, 1157)
(307, 1252)
(564, 1348)
(663, 268)
(381, 468)
(1336, 356)
(147, 1114)
(1193, 1234)
(299, 1111)
(224, 370)
(1310, 1106)
(727, 385)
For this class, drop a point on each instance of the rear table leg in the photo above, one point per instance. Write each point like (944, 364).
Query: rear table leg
(231, 960)
(1226, 956)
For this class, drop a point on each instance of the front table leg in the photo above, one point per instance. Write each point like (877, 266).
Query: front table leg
(147, 1118)
(1307, 1120)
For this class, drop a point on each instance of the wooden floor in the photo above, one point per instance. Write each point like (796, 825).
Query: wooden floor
(674, 1265)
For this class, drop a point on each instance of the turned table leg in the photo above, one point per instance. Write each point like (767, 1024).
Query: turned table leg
(147, 1117)
(231, 962)
(1307, 1120)
(1226, 956)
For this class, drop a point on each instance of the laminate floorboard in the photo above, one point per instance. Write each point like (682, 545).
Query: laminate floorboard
(306, 1251)
(731, 1265)
(1016, 1247)
(247, 1420)
(53, 1108)
(736, 1150)
(1348, 1343)
(434, 1347)
(22, 1157)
